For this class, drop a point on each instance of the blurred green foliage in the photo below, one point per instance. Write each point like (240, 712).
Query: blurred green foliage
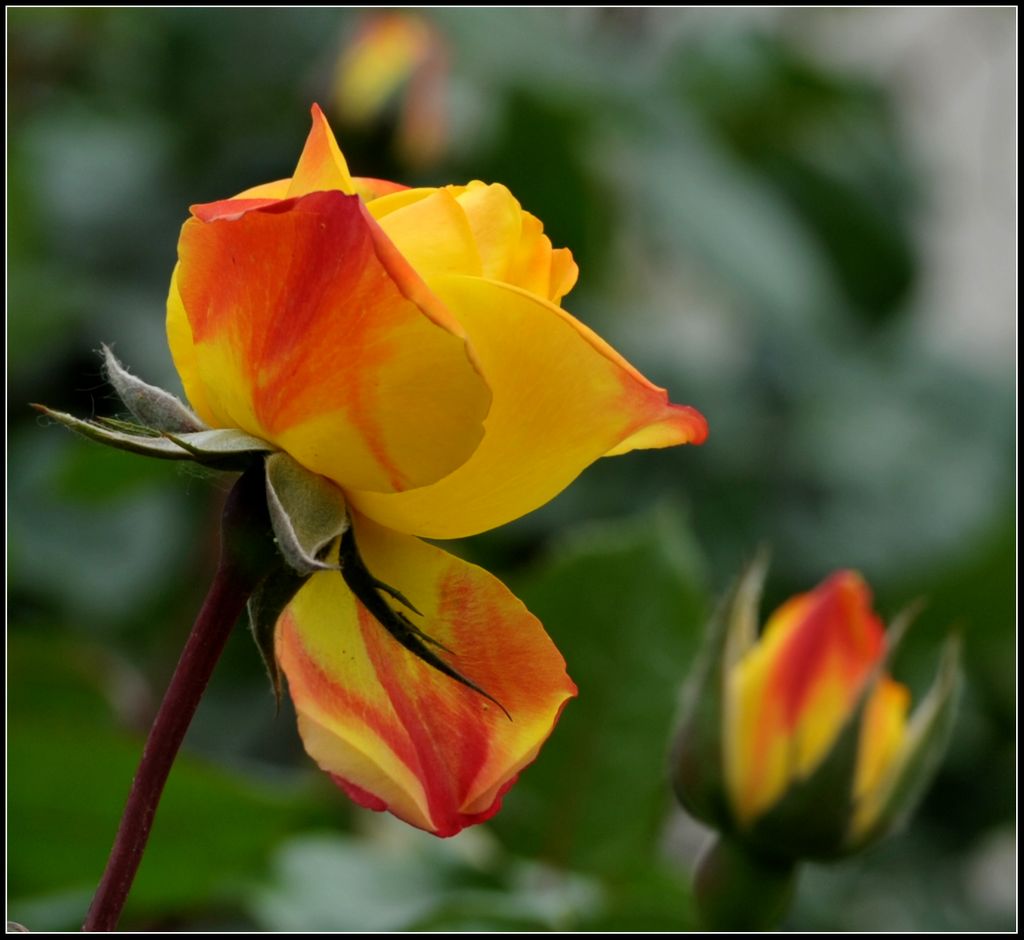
(747, 222)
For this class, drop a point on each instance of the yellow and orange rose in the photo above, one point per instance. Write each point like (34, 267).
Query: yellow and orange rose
(409, 347)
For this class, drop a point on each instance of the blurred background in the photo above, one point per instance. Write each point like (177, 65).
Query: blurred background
(802, 222)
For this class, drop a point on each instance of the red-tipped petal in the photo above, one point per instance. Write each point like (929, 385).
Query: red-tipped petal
(396, 733)
(562, 399)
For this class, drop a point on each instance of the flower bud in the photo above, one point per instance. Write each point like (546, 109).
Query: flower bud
(797, 743)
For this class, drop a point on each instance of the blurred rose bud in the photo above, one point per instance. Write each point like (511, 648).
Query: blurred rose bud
(796, 743)
(395, 68)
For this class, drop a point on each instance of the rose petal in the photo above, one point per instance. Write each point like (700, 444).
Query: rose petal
(562, 398)
(300, 323)
(278, 189)
(789, 697)
(432, 233)
(496, 220)
(512, 242)
(321, 166)
(395, 732)
(881, 739)
(386, 203)
(370, 188)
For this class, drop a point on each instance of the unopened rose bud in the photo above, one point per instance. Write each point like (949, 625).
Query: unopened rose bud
(797, 743)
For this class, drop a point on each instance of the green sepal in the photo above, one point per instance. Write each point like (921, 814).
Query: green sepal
(221, 444)
(697, 770)
(265, 607)
(308, 513)
(151, 406)
(925, 744)
(220, 448)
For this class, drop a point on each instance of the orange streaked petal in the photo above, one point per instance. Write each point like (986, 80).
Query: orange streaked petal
(321, 166)
(395, 733)
(562, 398)
(790, 696)
(228, 209)
(307, 329)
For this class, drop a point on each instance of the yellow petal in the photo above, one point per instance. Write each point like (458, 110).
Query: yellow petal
(882, 736)
(183, 352)
(756, 756)
(368, 188)
(564, 272)
(299, 323)
(386, 203)
(496, 220)
(394, 732)
(512, 243)
(561, 399)
(431, 232)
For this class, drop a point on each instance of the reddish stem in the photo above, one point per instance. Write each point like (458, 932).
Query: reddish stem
(238, 574)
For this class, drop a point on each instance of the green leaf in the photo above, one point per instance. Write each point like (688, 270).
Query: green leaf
(648, 897)
(624, 604)
(67, 785)
(407, 880)
(69, 770)
(323, 883)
